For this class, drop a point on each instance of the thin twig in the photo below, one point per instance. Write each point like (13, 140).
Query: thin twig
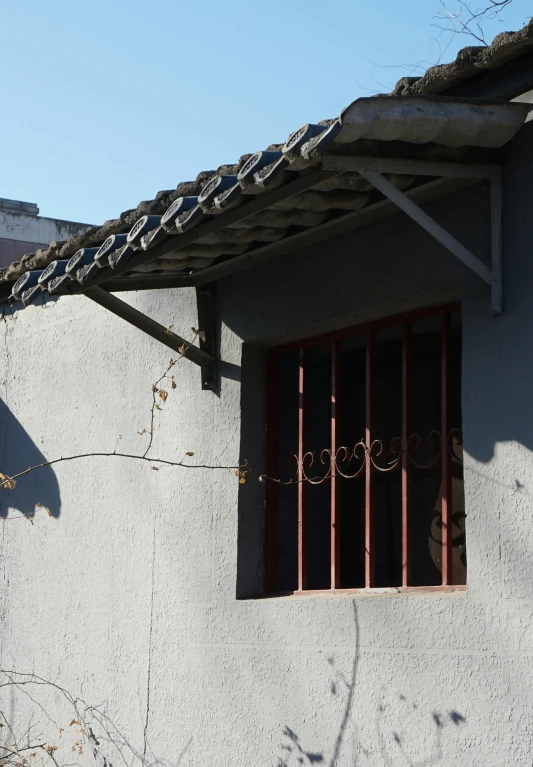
(162, 461)
(155, 393)
(20, 750)
(84, 715)
(468, 21)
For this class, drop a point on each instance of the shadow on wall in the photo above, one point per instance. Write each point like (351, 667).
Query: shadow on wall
(19, 452)
(389, 742)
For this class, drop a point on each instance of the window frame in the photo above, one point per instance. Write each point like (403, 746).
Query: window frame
(368, 330)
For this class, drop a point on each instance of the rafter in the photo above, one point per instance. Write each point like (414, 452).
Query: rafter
(491, 275)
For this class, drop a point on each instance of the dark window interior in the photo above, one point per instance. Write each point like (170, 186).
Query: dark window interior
(311, 416)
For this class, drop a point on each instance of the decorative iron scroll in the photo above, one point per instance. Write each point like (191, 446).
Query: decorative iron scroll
(351, 462)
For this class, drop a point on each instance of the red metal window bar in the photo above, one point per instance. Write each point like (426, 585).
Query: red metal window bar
(364, 452)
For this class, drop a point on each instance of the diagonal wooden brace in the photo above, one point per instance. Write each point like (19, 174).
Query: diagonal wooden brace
(493, 275)
(150, 327)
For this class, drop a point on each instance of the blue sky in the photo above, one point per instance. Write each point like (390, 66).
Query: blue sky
(107, 102)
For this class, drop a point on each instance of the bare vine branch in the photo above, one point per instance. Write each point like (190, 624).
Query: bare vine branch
(87, 729)
(157, 391)
(468, 19)
(7, 482)
(161, 394)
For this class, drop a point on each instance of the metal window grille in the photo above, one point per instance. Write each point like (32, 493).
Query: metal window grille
(365, 487)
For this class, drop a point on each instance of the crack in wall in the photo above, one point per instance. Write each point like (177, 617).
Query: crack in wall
(149, 670)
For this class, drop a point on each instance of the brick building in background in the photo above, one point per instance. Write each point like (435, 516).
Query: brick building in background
(22, 230)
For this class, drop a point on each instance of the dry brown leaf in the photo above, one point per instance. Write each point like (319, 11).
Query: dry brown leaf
(173, 383)
(199, 333)
(163, 394)
(189, 452)
(154, 468)
(154, 388)
(242, 476)
(75, 721)
(157, 407)
(8, 482)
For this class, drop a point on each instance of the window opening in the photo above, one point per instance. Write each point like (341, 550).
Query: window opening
(364, 440)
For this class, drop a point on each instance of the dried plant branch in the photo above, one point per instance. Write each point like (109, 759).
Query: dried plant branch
(162, 394)
(455, 17)
(468, 20)
(94, 730)
(7, 482)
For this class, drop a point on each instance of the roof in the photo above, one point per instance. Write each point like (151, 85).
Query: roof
(19, 206)
(471, 63)
(286, 189)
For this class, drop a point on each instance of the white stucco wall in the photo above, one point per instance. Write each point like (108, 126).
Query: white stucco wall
(129, 591)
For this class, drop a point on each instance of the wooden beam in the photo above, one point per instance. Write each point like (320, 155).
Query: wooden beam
(407, 167)
(146, 282)
(430, 225)
(368, 215)
(205, 299)
(148, 326)
(421, 194)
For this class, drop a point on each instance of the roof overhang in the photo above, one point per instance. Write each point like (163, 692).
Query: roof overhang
(381, 154)
(315, 182)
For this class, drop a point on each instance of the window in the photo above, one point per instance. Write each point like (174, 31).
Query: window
(365, 458)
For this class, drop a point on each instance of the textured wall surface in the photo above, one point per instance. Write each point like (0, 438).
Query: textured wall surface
(129, 589)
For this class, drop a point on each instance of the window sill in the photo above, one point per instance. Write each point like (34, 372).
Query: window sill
(383, 592)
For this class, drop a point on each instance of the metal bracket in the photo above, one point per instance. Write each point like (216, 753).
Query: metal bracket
(200, 356)
(371, 168)
(206, 324)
